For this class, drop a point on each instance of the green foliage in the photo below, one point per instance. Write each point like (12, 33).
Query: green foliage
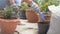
(45, 3)
(35, 1)
(24, 5)
(53, 2)
(7, 12)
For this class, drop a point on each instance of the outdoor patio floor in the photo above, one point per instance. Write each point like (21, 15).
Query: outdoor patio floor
(27, 28)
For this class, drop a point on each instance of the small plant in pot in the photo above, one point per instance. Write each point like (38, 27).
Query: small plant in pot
(9, 20)
(23, 8)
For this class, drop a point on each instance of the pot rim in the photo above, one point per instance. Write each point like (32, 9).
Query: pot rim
(9, 20)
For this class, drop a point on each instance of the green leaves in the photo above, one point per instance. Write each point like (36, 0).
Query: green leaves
(24, 5)
(53, 2)
(35, 1)
(8, 12)
(45, 3)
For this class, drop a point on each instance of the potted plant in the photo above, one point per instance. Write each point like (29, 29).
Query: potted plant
(44, 25)
(8, 20)
(23, 8)
(45, 3)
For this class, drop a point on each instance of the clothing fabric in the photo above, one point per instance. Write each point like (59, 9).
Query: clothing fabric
(42, 15)
(55, 20)
(17, 2)
(34, 6)
(4, 3)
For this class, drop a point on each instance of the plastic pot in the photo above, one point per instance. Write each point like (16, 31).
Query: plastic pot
(43, 28)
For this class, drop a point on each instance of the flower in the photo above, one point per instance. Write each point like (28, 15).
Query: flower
(45, 3)
(43, 7)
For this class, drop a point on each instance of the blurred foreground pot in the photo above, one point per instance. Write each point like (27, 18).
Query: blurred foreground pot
(8, 25)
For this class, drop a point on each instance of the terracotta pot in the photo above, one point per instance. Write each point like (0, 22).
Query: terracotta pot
(31, 16)
(8, 25)
(47, 18)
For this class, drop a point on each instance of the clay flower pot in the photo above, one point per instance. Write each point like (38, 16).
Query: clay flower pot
(8, 25)
(47, 18)
(31, 16)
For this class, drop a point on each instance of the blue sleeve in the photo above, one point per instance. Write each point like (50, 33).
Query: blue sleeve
(18, 2)
(42, 15)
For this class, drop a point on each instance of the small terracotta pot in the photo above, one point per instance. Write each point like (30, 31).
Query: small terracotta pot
(8, 25)
(47, 18)
(31, 16)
